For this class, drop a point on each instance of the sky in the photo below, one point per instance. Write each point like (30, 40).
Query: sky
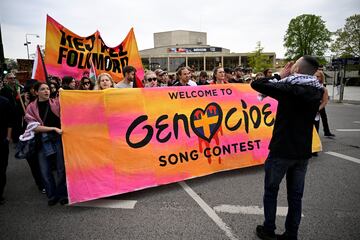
(233, 24)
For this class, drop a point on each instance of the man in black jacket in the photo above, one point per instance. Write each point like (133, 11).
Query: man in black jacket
(298, 94)
(6, 124)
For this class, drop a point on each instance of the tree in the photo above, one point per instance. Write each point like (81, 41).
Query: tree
(259, 61)
(306, 35)
(347, 39)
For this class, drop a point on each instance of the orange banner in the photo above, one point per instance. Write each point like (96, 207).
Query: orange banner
(122, 140)
(68, 54)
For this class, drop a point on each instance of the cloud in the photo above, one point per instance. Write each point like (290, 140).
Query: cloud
(233, 24)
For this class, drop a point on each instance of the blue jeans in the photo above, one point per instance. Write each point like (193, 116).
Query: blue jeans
(275, 170)
(53, 190)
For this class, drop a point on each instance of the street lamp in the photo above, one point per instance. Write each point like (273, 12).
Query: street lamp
(27, 42)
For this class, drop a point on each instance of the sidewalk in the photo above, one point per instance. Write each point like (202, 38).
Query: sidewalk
(350, 93)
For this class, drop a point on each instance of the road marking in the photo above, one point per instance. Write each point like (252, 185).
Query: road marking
(251, 210)
(348, 130)
(209, 211)
(339, 155)
(107, 203)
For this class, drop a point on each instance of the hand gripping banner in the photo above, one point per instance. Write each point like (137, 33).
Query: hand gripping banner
(123, 140)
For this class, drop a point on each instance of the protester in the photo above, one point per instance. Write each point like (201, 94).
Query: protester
(203, 78)
(248, 71)
(150, 79)
(322, 112)
(56, 80)
(248, 78)
(259, 75)
(239, 74)
(162, 78)
(229, 74)
(104, 81)
(218, 76)
(183, 78)
(29, 91)
(171, 79)
(86, 84)
(12, 91)
(32, 160)
(192, 74)
(298, 96)
(6, 124)
(46, 112)
(129, 77)
(54, 90)
(68, 83)
(268, 73)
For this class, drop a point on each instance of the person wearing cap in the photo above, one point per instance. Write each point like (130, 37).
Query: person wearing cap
(129, 78)
(239, 74)
(298, 94)
(162, 78)
(229, 74)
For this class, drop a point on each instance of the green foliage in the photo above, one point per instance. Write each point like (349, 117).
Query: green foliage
(258, 61)
(347, 39)
(306, 35)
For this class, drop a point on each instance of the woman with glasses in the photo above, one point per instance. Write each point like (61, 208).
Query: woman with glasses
(150, 79)
(86, 84)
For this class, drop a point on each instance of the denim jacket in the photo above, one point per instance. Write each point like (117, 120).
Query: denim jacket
(47, 142)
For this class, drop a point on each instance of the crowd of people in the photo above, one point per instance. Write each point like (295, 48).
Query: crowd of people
(33, 110)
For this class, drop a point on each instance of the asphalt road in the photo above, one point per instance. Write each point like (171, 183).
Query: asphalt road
(202, 208)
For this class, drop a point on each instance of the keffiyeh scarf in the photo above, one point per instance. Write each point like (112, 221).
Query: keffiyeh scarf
(299, 79)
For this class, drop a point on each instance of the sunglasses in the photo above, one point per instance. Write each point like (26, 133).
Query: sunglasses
(151, 79)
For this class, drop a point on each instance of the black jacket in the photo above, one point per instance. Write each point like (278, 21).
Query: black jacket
(6, 119)
(297, 107)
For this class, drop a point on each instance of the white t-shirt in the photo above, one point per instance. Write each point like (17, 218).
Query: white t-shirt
(192, 83)
(122, 84)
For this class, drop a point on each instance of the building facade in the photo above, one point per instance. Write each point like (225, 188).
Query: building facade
(174, 49)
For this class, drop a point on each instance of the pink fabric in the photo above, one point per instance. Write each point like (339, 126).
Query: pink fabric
(32, 110)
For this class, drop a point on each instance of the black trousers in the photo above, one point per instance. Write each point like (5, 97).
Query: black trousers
(35, 170)
(324, 121)
(4, 157)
